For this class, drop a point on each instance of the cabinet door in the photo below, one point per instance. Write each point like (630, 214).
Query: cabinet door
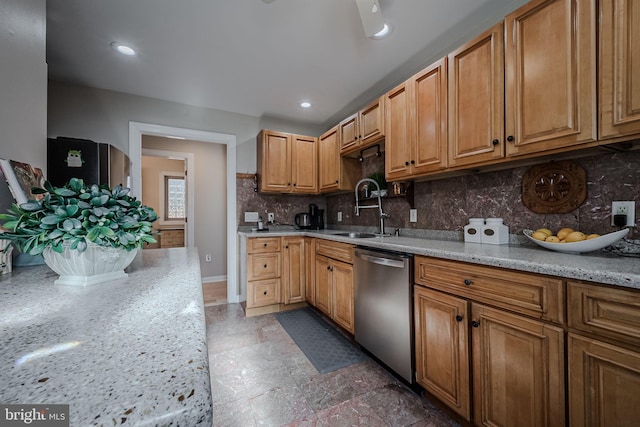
(328, 159)
(604, 381)
(343, 302)
(398, 129)
(429, 130)
(323, 285)
(476, 99)
(442, 350)
(294, 272)
(310, 261)
(263, 292)
(304, 164)
(550, 74)
(349, 133)
(518, 370)
(371, 122)
(619, 66)
(275, 161)
(263, 266)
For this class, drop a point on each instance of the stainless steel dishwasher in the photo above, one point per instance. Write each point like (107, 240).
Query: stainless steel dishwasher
(383, 320)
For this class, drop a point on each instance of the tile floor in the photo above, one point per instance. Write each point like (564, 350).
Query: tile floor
(259, 377)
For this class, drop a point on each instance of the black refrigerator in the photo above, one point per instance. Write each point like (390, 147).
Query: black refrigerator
(94, 162)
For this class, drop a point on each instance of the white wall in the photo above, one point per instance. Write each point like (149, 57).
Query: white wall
(104, 116)
(23, 81)
(210, 213)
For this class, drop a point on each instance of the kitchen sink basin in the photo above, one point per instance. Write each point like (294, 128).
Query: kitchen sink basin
(355, 235)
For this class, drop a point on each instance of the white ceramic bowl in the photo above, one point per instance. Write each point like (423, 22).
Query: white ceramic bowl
(582, 246)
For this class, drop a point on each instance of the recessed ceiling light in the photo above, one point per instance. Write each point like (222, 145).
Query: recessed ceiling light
(123, 49)
(383, 33)
(305, 104)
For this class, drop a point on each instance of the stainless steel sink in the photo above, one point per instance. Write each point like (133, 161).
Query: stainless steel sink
(355, 235)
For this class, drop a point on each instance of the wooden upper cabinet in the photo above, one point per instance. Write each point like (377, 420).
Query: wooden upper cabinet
(416, 123)
(349, 133)
(371, 124)
(328, 159)
(304, 164)
(619, 62)
(336, 173)
(287, 163)
(429, 131)
(398, 128)
(274, 161)
(550, 71)
(363, 128)
(476, 99)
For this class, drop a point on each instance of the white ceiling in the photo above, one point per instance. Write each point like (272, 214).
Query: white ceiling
(249, 57)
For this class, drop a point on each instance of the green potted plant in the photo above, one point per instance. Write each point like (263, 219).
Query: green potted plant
(92, 223)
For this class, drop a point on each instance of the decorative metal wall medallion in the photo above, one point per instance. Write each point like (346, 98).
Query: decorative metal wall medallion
(554, 187)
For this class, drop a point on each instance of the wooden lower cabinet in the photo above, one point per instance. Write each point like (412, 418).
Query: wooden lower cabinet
(442, 347)
(518, 370)
(263, 292)
(500, 365)
(310, 265)
(294, 277)
(604, 383)
(334, 294)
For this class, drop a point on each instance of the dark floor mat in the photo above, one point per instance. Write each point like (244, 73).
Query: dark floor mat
(325, 347)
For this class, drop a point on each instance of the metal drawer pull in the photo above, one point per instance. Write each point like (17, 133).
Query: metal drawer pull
(467, 282)
(382, 261)
(475, 323)
(459, 318)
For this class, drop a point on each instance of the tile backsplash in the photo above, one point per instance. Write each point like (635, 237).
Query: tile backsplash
(447, 204)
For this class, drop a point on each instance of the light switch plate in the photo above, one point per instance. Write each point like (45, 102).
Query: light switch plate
(251, 217)
(413, 215)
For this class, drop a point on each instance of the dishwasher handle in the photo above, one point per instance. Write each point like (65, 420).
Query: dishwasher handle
(387, 262)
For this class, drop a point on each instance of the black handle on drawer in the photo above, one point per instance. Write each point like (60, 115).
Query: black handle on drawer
(265, 245)
(329, 267)
(510, 138)
(475, 323)
(495, 142)
(468, 282)
(265, 292)
(265, 266)
(459, 318)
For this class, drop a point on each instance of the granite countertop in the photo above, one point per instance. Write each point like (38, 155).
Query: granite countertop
(598, 266)
(129, 351)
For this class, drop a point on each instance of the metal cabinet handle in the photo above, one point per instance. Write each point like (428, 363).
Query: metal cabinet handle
(510, 138)
(459, 318)
(475, 323)
(413, 162)
(495, 142)
(406, 163)
(468, 282)
(265, 266)
(265, 292)
(265, 245)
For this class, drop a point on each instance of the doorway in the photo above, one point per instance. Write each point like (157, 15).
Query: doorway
(136, 132)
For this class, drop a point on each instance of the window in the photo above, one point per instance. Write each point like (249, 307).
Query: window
(174, 198)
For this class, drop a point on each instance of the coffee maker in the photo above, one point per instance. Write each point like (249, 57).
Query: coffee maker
(317, 217)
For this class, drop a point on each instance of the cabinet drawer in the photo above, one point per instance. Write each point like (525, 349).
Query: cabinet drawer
(335, 250)
(529, 294)
(263, 244)
(604, 310)
(263, 266)
(263, 292)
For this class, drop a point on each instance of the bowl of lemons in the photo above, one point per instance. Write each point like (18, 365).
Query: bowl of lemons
(573, 241)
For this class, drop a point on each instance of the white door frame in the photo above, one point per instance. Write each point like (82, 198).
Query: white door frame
(137, 129)
(189, 165)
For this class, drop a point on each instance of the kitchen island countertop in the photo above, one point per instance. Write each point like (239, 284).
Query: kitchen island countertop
(128, 351)
(598, 266)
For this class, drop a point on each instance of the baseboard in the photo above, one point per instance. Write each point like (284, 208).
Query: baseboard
(212, 279)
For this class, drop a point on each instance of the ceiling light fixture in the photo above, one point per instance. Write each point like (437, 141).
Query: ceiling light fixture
(371, 16)
(123, 49)
(305, 104)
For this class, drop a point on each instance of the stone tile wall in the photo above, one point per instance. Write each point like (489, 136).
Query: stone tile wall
(447, 204)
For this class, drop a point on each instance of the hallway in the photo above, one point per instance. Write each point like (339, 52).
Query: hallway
(260, 377)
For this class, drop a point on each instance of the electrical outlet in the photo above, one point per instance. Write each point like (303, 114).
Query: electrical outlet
(627, 208)
(271, 217)
(207, 257)
(413, 215)
(339, 216)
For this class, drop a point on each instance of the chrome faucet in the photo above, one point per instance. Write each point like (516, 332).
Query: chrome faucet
(379, 205)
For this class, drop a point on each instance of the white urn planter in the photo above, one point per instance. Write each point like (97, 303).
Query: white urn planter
(97, 264)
